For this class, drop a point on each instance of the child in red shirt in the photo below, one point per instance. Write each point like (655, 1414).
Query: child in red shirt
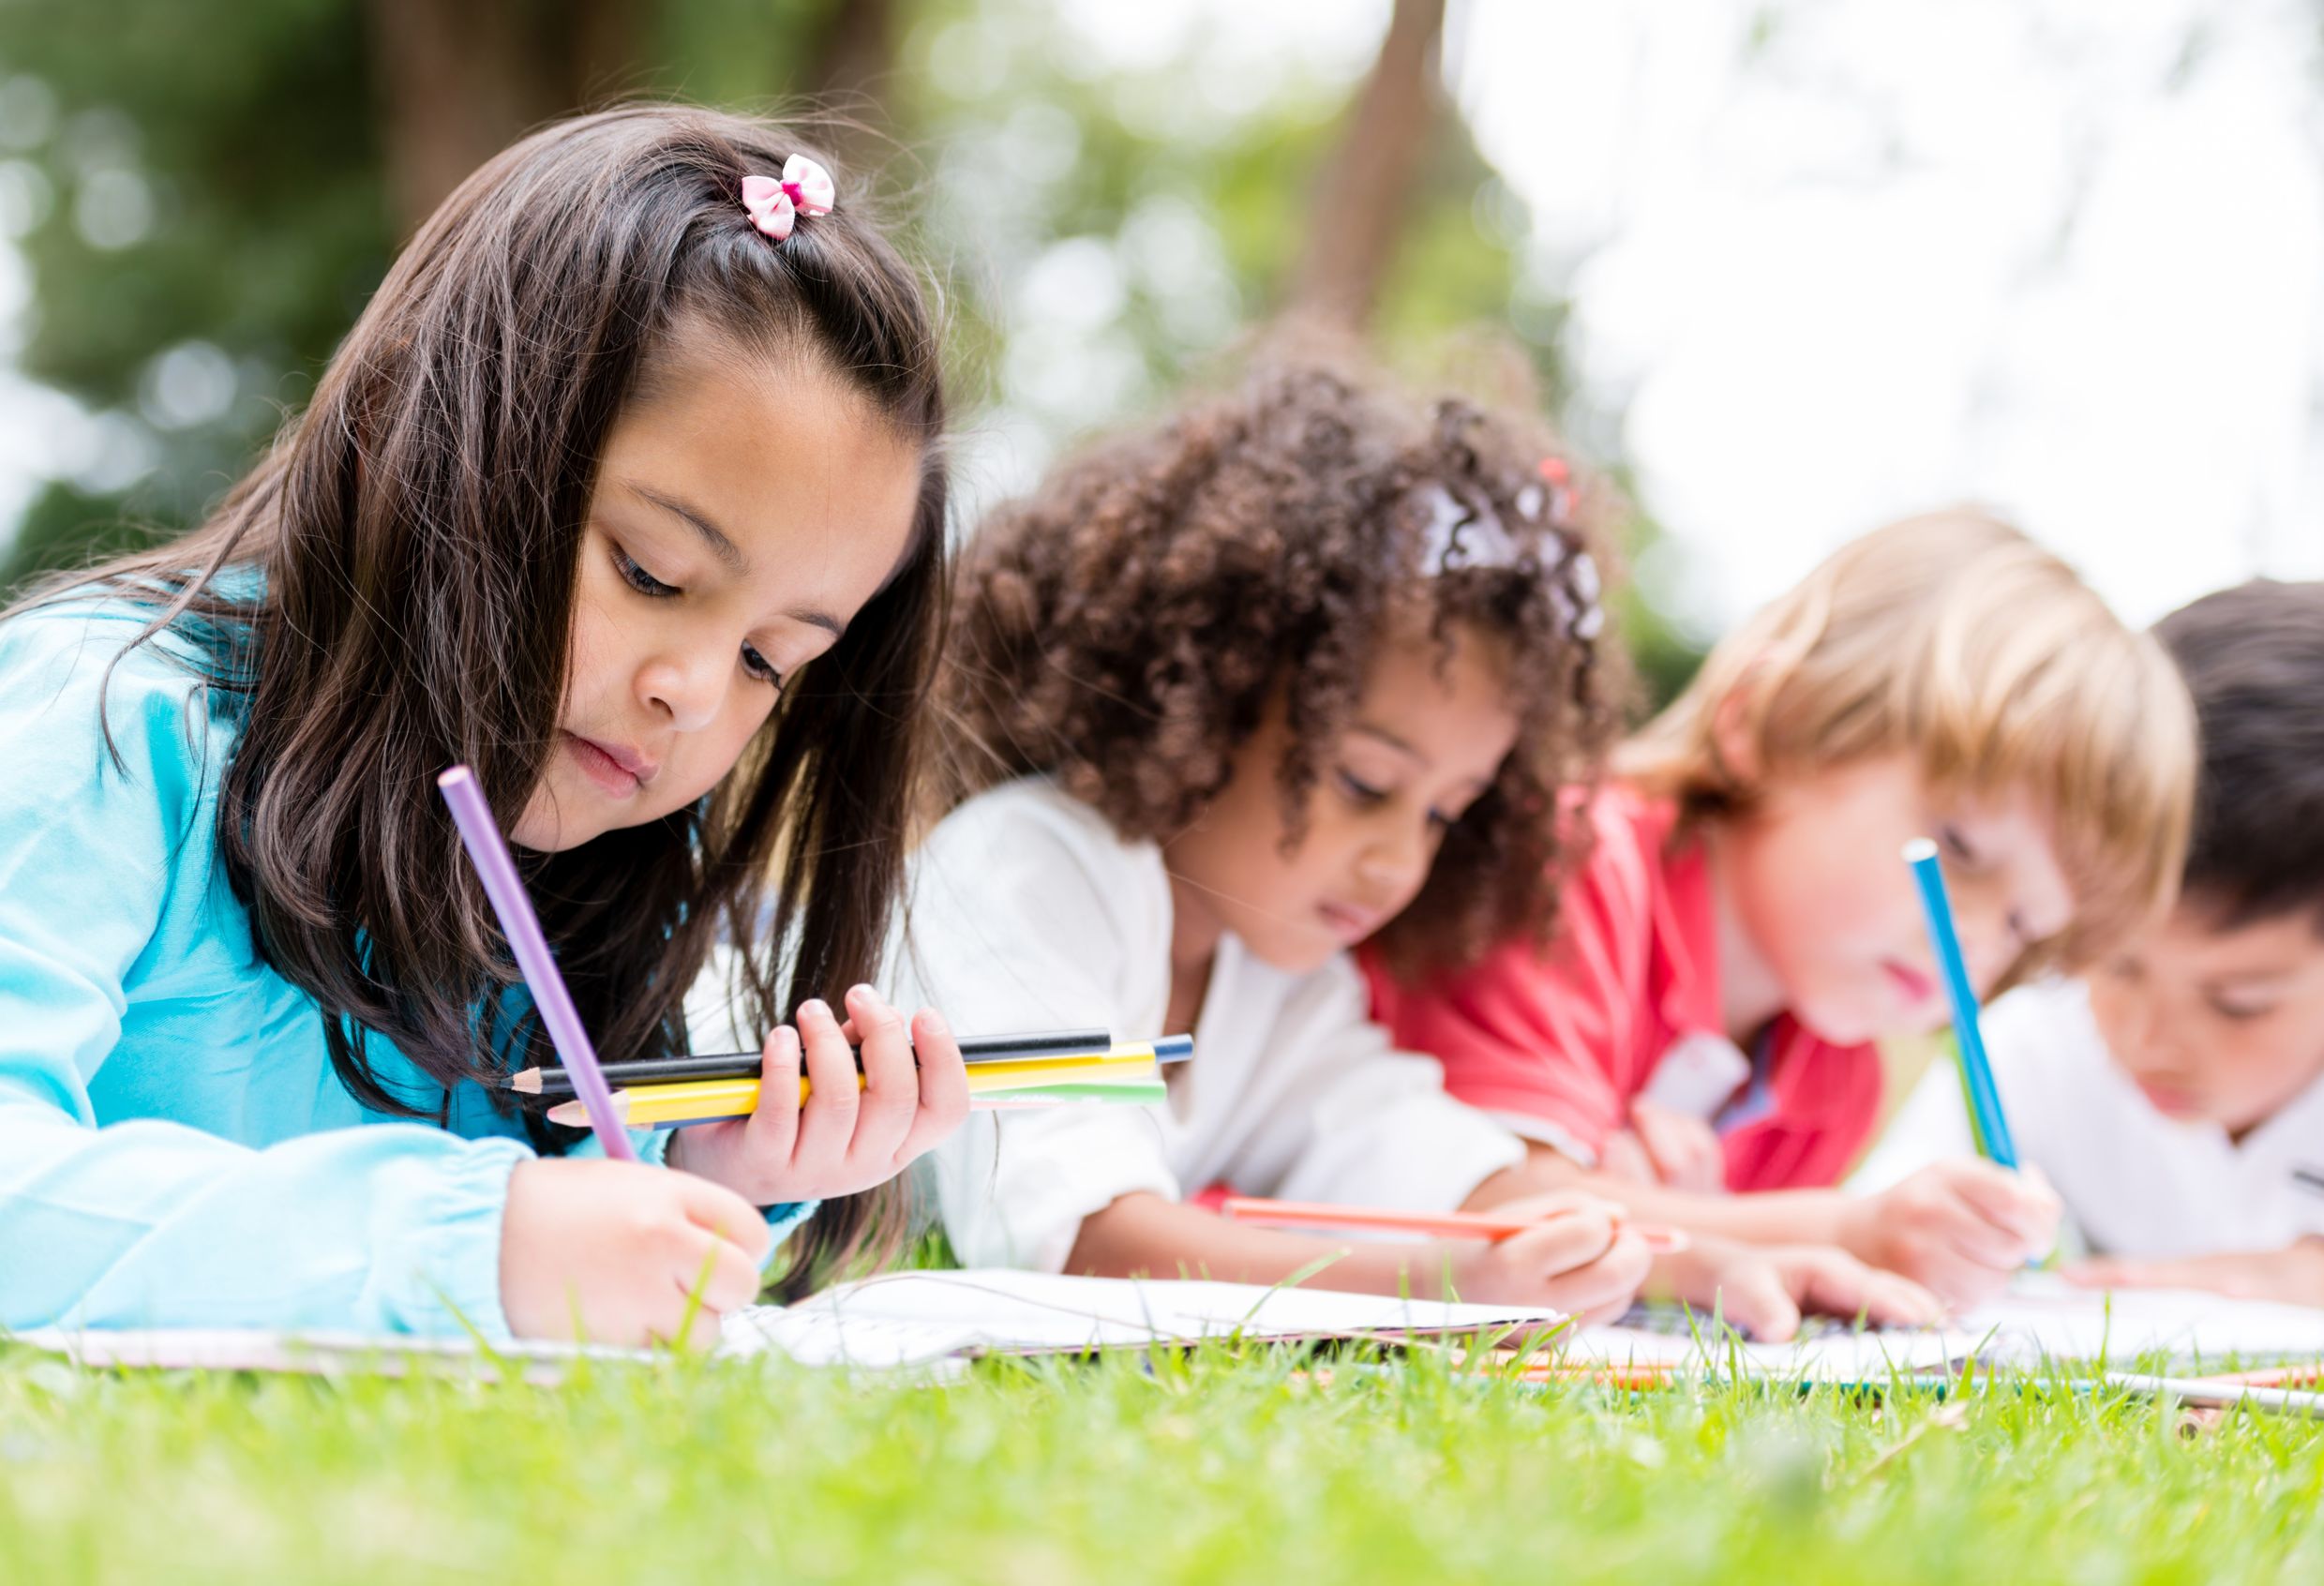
(1625, 1018)
(1744, 928)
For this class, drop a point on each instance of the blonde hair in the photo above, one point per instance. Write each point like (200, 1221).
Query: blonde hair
(1954, 636)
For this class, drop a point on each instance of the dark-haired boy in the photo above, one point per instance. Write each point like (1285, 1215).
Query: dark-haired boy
(2175, 1097)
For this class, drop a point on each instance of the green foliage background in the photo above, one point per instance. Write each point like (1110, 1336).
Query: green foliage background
(248, 138)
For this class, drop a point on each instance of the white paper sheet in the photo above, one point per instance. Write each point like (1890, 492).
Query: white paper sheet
(915, 1317)
(2041, 1320)
(2044, 1317)
(911, 1316)
(1823, 1351)
(229, 1349)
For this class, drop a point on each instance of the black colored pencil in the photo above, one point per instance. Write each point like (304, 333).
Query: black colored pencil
(555, 1085)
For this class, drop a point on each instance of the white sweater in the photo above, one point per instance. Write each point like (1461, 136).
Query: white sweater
(1028, 913)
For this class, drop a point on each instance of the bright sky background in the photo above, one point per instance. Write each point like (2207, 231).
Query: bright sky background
(1832, 261)
(2063, 257)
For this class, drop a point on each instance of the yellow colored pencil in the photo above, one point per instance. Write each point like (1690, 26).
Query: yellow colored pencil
(643, 1106)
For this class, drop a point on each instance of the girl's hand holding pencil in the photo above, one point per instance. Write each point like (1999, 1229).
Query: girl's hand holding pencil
(847, 1135)
(618, 1252)
(1582, 1258)
(624, 1254)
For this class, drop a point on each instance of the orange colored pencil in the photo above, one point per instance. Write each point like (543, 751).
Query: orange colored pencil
(2269, 1377)
(1439, 1225)
(1635, 1375)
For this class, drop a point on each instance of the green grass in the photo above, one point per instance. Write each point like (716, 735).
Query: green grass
(1223, 1467)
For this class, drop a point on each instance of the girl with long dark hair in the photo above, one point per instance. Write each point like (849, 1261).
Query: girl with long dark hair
(627, 492)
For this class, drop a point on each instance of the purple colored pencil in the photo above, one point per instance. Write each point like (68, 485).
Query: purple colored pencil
(497, 870)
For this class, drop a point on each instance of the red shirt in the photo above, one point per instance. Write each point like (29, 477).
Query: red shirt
(1572, 1036)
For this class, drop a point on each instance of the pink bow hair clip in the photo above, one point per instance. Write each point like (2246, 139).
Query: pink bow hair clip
(805, 188)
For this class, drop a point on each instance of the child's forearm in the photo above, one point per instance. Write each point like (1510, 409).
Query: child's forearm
(2293, 1274)
(1144, 1235)
(1775, 1217)
(2304, 1274)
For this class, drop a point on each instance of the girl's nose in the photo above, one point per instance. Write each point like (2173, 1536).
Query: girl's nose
(2138, 1027)
(1397, 861)
(687, 686)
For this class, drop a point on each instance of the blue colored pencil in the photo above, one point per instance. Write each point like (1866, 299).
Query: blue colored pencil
(1984, 1097)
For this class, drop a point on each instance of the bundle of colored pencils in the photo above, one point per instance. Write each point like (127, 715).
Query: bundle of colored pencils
(1005, 1072)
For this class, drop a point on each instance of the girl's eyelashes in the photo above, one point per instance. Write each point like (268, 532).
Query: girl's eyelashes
(2239, 1012)
(760, 667)
(1957, 846)
(1364, 795)
(646, 584)
(638, 578)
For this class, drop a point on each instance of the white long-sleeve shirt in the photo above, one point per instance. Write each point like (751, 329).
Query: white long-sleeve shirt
(2136, 1181)
(1028, 913)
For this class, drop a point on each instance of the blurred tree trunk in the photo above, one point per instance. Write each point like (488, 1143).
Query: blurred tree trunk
(458, 79)
(850, 64)
(851, 56)
(1365, 197)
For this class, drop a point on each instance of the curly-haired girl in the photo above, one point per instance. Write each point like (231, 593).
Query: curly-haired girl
(1305, 664)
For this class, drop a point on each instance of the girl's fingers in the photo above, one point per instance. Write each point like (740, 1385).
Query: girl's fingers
(943, 1085)
(1604, 1289)
(735, 1279)
(1832, 1282)
(725, 1279)
(772, 1128)
(827, 1122)
(1561, 1244)
(2022, 1203)
(1959, 1283)
(721, 1213)
(891, 1087)
(1973, 1240)
(732, 1280)
(1752, 1297)
(1890, 1299)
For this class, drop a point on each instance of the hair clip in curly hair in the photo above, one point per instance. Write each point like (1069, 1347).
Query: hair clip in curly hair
(1577, 594)
(1458, 535)
(803, 188)
(1558, 496)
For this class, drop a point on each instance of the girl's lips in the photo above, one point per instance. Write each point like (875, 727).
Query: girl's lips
(1917, 988)
(617, 772)
(1350, 924)
(2169, 1100)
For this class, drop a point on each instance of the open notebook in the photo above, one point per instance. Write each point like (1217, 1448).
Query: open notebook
(908, 1316)
(901, 1319)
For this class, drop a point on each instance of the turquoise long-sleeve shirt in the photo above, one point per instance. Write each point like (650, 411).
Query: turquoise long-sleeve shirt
(175, 1149)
